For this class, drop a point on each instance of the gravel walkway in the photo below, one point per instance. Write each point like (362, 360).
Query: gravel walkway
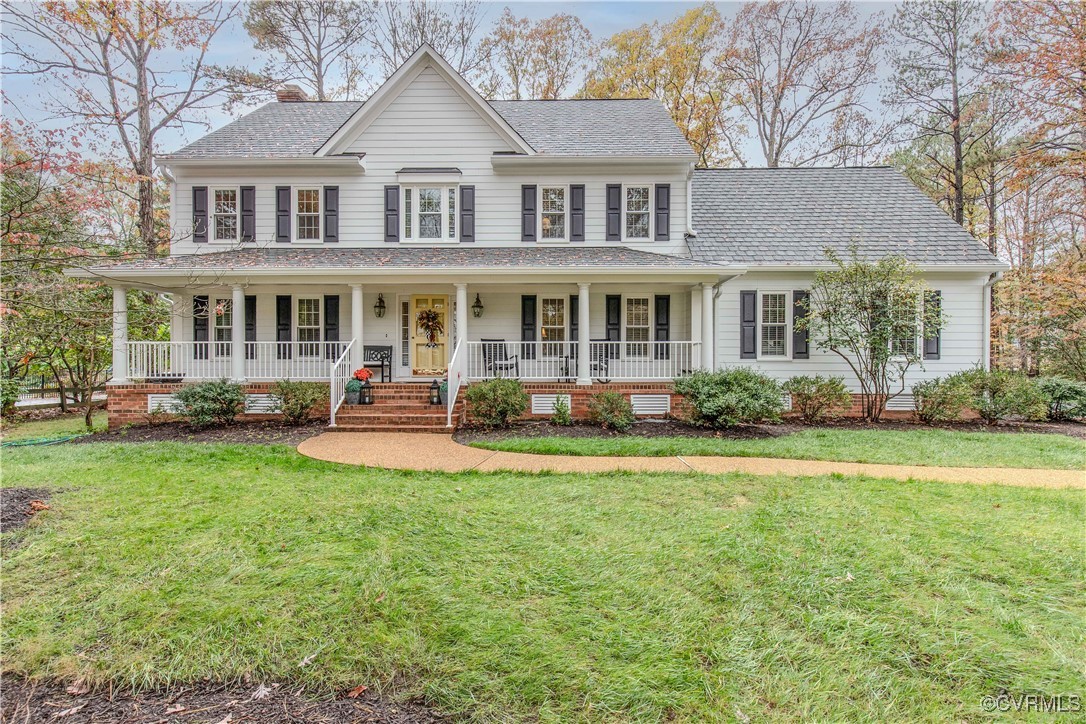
(407, 451)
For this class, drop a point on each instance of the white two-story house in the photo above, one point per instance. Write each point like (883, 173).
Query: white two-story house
(570, 244)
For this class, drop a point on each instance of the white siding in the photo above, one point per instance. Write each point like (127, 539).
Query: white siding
(961, 339)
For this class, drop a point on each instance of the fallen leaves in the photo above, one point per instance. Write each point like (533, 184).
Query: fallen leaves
(356, 691)
(308, 660)
(36, 506)
(175, 709)
(79, 687)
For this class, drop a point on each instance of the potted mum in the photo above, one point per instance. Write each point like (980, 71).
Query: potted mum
(354, 386)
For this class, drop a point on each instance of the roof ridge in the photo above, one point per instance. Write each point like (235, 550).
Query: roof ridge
(800, 168)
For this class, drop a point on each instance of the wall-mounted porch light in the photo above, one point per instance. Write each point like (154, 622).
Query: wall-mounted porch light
(379, 306)
(477, 307)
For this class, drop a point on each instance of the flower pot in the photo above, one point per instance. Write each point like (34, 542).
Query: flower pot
(444, 395)
(352, 397)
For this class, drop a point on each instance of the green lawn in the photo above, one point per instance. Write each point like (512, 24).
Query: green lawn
(557, 597)
(61, 426)
(923, 446)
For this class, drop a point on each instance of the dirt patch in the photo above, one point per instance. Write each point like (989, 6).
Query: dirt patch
(21, 700)
(244, 433)
(677, 428)
(18, 505)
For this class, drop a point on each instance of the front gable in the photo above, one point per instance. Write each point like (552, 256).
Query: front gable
(425, 101)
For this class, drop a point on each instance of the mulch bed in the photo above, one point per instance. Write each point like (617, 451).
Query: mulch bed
(677, 428)
(21, 700)
(18, 505)
(245, 433)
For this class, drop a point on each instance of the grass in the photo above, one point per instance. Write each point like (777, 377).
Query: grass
(551, 597)
(903, 447)
(60, 426)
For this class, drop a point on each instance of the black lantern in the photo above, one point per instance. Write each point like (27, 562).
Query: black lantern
(366, 393)
(379, 306)
(477, 308)
(435, 393)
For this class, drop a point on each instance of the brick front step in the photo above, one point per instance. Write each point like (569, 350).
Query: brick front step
(390, 428)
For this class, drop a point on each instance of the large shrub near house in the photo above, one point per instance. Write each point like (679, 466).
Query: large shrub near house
(611, 411)
(494, 403)
(999, 394)
(817, 398)
(296, 400)
(216, 402)
(943, 399)
(731, 397)
(1066, 399)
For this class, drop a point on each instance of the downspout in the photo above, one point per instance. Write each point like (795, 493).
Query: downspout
(987, 301)
(690, 203)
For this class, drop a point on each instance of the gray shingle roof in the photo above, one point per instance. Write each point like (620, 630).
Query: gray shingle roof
(414, 257)
(639, 127)
(279, 130)
(791, 215)
(554, 128)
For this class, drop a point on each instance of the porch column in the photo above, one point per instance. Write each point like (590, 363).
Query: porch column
(237, 333)
(177, 316)
(120, 335)
(695, 322)
(461, 315)
(584, 336)
(356, 326)
(707, 339)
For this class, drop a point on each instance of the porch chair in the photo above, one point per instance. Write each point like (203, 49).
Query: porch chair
(497, 360)
(378, 357)
(599, 364)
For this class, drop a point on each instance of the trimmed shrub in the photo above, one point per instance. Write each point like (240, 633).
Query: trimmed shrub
(942, 399)
(210, 403)
(1066, 399)
(297, 399)
(731, 397)
(999, 394)
(561, 415)
(817, 398)
(9, 395)
(611, 411)
(494, 403)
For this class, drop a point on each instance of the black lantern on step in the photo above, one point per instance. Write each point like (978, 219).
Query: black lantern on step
(477, 308)
(379, 306)
(435, 393)
(365, 395)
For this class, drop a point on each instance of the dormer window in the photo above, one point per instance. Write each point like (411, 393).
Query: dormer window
(429, 213)
(552, 219)
(307, 214)
(225, 212)
(637, 213)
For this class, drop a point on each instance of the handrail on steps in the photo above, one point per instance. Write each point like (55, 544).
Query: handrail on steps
(337, 382)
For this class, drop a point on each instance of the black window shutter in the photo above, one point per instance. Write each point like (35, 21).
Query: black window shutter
(331, 324)
(200, 321)
(663, 212)
(199, 214)
(282, 214)
(934, 298)
(801, 338)
(392, 214)
(527, 324)
(282, 324)
(527, 212)
(250, 326)
(748, 325)
(663, 326)
(467, 214)
(248, 213)
(576, 212)
(331, 214)
(613, 307)
(614, 212)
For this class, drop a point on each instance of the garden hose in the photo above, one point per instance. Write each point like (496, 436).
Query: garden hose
(41, 440)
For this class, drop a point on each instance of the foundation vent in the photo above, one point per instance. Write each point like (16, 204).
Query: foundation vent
(901, 402)
(161, 403)
(261, 404)
(651, 404)
(544, 404)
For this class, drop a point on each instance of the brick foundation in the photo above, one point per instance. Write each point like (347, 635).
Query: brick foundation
(127, 404)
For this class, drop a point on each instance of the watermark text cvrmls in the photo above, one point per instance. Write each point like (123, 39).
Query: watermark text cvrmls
(1042, 703)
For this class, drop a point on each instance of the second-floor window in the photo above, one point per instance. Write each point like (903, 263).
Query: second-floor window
(225, 214)
(552, 219)
(637, 212)
(307, 213)
(429, 213)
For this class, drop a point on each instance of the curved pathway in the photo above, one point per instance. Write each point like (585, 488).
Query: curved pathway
(419, 451)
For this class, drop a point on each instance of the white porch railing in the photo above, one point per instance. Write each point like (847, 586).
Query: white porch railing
(337, 383)
(558, 360)
(456, 375)
(214, 360)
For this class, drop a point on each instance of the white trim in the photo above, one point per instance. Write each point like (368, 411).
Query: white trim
(445, 238)
(539, 214)
(211, 214)
(652, 213)
(294, 239)
(787, 356)
(424, 57)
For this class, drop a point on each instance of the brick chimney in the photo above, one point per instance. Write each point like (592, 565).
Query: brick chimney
(291, 94)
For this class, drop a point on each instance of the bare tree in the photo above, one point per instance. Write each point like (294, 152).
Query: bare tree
(117, 66)
(539, 60)
(450, 28)
(796, 72)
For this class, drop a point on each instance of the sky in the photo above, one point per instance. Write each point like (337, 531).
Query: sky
(27, 98)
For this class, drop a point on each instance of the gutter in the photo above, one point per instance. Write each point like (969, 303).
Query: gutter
(986, 301)
(394, 271)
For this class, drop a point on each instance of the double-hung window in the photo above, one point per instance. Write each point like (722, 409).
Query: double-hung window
(552, 327)
(429, 213)
(773, 321)
(907, 324)
(225, 212)
(637, 212)
(553, 219)
(307, 214)
(638, 329)
(309, 327)
(223, 317)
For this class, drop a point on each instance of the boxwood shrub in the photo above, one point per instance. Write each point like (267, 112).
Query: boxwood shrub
(817, 398)
(611, 410)
(494, 403)
(215, 402)
(731, 397)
